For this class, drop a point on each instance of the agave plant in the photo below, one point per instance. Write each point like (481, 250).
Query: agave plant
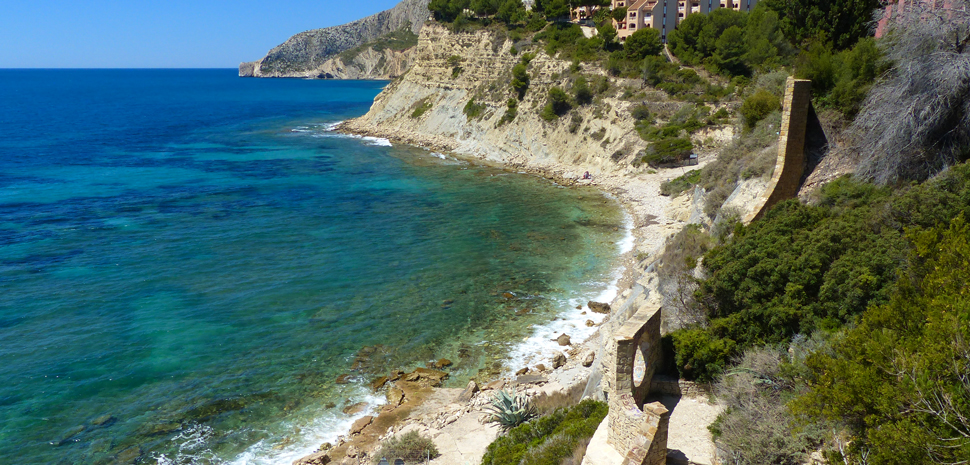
(510, 410)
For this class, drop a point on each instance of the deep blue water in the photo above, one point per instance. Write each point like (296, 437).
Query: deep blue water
(188, 260)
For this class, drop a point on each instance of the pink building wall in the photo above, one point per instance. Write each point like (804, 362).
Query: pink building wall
(901, 5)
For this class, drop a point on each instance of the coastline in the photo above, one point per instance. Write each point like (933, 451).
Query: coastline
(457, 414)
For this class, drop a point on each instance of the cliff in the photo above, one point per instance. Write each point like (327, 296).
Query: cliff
(427, 106)
(315, 53)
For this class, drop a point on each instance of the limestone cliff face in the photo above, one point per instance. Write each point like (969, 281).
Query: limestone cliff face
(367, 64)
(598, 137)
(308, 54)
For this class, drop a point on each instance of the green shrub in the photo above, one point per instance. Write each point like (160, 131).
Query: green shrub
(910, 351)
(511, 111)
(563, 430)
(805, 268)
(701, 355)
(473, 110)
(640, 113)
(455, 61)
(756, 107)
(557, 105)
(520, 78)
(421, 107)
(582, 92)
(668, 150)
(643, 43)
(410, 446)
(680, 184)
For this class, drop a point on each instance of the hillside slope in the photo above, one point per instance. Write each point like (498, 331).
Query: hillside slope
(429, 105)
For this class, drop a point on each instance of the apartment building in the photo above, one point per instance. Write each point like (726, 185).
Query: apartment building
(665, 15)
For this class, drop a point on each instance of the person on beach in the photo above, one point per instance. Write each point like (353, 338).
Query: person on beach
(587, 176)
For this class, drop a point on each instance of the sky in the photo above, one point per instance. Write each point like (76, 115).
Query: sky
(160, 33)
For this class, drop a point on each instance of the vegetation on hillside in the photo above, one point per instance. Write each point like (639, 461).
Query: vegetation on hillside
(550, 439)
(839, 325)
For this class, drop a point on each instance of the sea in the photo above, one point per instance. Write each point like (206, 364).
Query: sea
(190, 260)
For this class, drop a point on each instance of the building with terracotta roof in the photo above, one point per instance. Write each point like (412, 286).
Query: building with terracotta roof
(665, 15)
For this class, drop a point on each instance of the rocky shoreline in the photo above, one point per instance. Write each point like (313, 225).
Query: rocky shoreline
(454, 417)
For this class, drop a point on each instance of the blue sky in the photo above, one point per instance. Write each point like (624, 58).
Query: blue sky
(160, 33)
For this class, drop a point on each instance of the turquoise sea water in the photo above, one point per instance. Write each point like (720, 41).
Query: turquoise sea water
(189, 260)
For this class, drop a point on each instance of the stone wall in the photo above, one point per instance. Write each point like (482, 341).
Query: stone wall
(790, 164)
(680, 387)
(637, 431)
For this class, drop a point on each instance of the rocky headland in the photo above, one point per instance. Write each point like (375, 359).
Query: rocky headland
(316, 53)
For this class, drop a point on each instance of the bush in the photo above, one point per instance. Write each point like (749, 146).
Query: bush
(803, 268)
(581, 91)
(410, 446)
(899, 382)
(756, 107)
(511, 111)
(701, 355)
(667, 151)
(677, 186)
(520, 78)
(549, 439)
(640, 113)
(421, 107)
(643, 43)
(558, 104)
(473, 110)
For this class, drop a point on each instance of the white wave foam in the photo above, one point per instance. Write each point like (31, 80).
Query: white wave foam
(378, 141)
(541, 346)
(322, 428)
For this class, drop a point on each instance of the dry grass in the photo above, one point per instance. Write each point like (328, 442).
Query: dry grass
(916, 120)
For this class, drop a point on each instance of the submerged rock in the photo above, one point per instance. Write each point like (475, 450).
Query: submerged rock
(343, 379)
(378, 383)
(104, 420)
(129, 455)
(442, 363)
(355, 409)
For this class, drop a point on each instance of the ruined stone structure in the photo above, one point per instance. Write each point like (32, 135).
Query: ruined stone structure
(638, 432)
(800, 132)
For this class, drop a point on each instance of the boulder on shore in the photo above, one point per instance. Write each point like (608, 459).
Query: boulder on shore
(588, 361)
(318, 458)
(598, 307)
(563, 339)
(360, 424)
(469, 392)
(558, 360)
